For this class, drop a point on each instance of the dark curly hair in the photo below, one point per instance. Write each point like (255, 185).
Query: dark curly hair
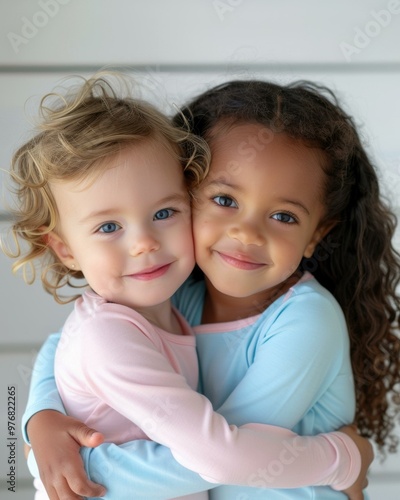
(363, 268)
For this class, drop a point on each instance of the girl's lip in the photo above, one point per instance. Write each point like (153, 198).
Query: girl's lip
(240, 261)
(150, 273)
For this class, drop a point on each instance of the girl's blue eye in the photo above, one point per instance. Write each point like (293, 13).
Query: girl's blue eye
(109, 227)
(284, 217)
(225, 201)
(165, 213)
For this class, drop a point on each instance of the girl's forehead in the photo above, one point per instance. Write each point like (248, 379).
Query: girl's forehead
(240, 137)
(247, 140)
(227, 126)
(252, 153)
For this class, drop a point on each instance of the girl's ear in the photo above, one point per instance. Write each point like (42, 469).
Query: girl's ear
(61, 249)
(319, 235)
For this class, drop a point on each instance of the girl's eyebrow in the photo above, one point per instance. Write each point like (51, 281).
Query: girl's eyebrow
(173, 198)
(296, 203)
(223, 182)
(96, 214)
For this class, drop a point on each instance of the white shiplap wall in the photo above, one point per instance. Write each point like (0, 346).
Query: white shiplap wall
(177, 49)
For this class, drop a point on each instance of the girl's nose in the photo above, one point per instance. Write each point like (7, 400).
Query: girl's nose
(247, 233)
(143, 243)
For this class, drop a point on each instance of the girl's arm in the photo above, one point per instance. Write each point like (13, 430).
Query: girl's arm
(213, 460)
(43, 393)
(129, 374)
(149, 469)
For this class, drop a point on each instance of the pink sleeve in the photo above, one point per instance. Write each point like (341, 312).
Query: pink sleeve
(125, 370)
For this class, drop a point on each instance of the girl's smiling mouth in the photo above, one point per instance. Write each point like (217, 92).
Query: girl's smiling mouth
(151, 272)
(240, 261)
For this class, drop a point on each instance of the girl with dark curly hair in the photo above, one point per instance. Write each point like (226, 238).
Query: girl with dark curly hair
(355, 260)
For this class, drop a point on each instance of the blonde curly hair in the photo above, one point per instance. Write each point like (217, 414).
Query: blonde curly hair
(77, 131)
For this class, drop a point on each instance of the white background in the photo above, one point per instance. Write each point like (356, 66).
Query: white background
(178, 48)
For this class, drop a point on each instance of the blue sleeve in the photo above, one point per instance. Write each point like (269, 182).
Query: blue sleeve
(145, 468)
(43, 393)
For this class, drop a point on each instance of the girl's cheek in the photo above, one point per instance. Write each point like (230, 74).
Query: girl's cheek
(198, 232)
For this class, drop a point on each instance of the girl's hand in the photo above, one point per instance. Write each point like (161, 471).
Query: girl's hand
(355, 492)
(56, 440)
